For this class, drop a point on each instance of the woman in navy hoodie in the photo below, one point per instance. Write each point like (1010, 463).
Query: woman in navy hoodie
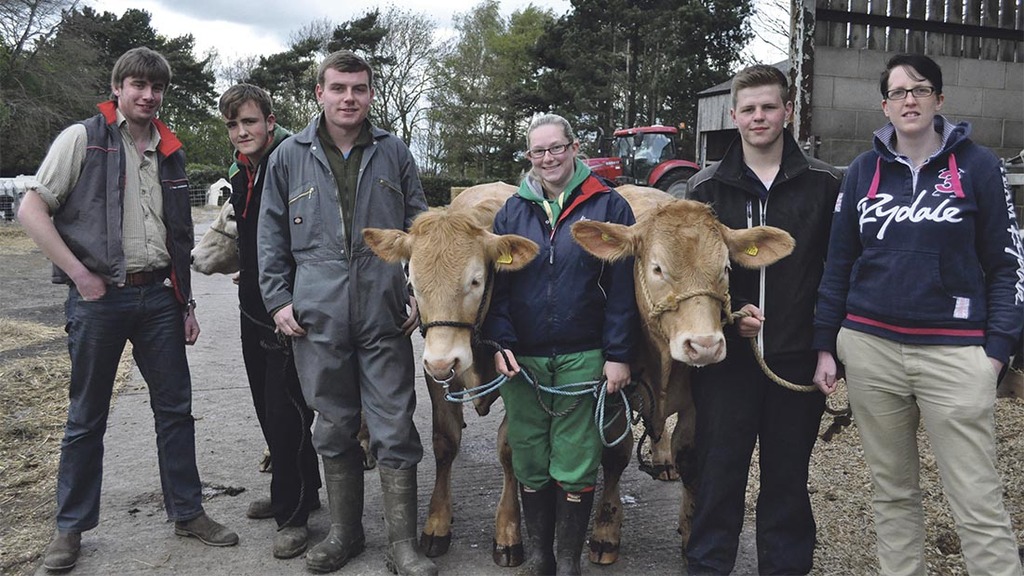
(921, 301)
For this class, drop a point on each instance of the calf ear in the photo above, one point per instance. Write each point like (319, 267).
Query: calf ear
(510, 251)
(604, 240)
(759, 246)
(390, 245)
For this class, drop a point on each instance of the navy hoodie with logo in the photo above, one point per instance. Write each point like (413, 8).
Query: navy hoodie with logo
(926, 257)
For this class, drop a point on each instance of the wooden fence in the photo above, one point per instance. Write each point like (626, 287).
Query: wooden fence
(976, 29)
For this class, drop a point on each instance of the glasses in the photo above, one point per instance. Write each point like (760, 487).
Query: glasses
(556, 150)
(901, 93)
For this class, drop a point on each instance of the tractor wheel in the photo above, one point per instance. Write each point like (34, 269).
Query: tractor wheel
(675, 182)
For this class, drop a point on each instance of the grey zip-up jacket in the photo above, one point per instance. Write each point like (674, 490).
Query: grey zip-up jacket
(300, 241)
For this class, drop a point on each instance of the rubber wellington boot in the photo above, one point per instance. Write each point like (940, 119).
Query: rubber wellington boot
(343, 477)
(404, 556)
(572, 515)
(539, 518)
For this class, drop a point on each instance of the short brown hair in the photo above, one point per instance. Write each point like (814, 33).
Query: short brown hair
(233, 98)
(344, 61)
(141, 62)
(760, 75)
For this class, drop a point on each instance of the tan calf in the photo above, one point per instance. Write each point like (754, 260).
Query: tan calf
(217, 250)
(681, 274)
(452, 256)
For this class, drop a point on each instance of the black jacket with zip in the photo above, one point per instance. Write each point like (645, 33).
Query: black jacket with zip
(801, 201)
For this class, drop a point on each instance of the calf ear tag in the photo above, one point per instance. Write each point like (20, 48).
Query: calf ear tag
(505, 258)
(605, 237)
(751, 250)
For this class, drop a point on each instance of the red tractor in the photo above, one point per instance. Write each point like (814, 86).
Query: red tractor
(646, 155)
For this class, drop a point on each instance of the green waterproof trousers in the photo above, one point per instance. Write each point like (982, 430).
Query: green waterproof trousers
(560, 442)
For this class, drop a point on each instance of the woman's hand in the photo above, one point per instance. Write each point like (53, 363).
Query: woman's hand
(508, 370)
(617, 374)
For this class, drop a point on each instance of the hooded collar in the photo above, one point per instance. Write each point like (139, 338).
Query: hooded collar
(952, 136)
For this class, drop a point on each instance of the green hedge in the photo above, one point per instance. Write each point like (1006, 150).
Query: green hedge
(203, 175)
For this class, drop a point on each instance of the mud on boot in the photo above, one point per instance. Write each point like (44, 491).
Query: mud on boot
(539, 520)
(343, 477)
(572, 516)
(403, 556)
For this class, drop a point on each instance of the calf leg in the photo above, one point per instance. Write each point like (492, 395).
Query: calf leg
(369, 462)
(662, 462)
(606, 535)
(447, 436)
(508, 540)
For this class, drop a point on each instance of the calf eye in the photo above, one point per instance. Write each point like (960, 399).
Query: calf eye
(475, 282)
(657, 270)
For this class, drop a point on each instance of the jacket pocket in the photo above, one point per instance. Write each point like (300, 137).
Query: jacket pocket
(305, 220)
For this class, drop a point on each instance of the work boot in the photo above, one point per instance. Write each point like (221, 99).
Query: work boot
(260, 509)
(539, 519)
(572, 515)
(290, 541)
(207, 531)
(343, 477)
(62, 553)
(263, 508)
(404, 556)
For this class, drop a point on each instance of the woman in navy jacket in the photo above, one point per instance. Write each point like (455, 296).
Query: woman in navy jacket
(566, 318)
(922, 302)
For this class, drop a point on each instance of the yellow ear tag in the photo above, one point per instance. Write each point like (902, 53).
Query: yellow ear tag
(505, 258)
(605, 237)
(751, 250)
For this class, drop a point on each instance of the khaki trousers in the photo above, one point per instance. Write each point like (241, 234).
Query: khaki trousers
(892, 387)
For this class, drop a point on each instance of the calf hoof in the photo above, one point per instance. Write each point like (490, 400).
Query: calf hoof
(434, 545)
(603, 553)
(369, 462)
(663, 472)
(507, 556)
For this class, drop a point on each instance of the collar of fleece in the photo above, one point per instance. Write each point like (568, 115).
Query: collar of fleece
(556, 209)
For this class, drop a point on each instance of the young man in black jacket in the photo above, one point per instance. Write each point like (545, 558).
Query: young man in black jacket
(282, 412)
(764, 179)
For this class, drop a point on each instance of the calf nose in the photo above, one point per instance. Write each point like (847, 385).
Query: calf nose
(706, 349)
(440, 369)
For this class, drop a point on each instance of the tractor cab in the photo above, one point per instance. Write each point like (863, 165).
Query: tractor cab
(647, 156)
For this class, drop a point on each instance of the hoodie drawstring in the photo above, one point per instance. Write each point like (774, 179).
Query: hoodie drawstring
(954, 178)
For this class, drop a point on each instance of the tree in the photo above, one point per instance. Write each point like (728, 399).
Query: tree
(407, 73)
(66, 72)
(489, 92)
(648, 58)
(23, 23)
(289, 77)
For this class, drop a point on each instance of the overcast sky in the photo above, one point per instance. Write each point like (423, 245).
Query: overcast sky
(262, 27)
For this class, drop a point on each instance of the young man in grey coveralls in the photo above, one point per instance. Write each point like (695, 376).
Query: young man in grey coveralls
(344, 308)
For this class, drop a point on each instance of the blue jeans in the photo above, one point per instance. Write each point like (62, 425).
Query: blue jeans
(151, 318)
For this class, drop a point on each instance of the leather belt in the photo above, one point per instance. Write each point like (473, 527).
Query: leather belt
(147, 277)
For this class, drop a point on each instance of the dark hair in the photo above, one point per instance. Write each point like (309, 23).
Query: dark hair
(144, 63)
(233, 98)
(760, 75)
(915, 65)
(344, 61)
